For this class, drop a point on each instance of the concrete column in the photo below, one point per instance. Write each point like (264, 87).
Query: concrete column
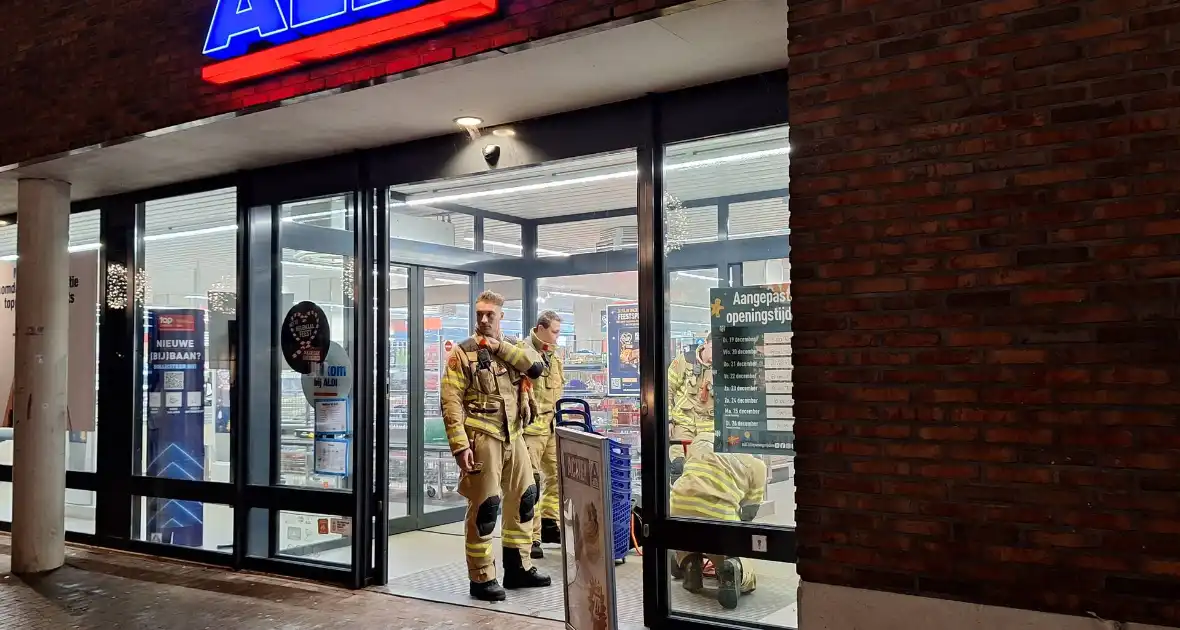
(42, 343)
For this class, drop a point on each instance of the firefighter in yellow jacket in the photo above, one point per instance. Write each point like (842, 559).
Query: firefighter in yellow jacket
(690, 402)
(485, 405)
(540, 436)
(718, 487)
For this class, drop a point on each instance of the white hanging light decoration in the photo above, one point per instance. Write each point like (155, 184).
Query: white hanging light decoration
(675, 223)
(223, 294)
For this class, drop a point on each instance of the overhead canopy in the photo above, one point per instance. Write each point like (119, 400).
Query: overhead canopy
(692, 47)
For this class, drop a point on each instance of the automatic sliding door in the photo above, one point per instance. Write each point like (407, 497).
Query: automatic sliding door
(400, 462)
(446, 320)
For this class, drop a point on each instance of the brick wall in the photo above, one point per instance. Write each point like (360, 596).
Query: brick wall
(986, 266)
(81, 73)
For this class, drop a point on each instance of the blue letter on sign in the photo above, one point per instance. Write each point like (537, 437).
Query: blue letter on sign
(305, 12)
(238, 23)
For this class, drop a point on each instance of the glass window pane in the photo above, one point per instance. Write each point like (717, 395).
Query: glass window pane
(587, 237)
(729, 589)
(319, 537)
(82, 448)
(513, 291)
(78, 518)
(317, 249)
(730, 406)
(208, 526)
(422, 223)
(599, 346)
(447, 319)
(190, 265)
(399, 391)
(501, 237)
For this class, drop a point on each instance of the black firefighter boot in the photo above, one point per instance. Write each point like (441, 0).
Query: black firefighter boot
(550, 531)
(537, 553)
(489, 591)
(516, 577)
(729, 578)
(692, 571)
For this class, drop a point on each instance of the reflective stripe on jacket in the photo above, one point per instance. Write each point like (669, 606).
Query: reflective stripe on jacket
(717, 485)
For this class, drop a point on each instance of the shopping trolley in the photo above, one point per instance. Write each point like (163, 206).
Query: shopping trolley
(620, 473)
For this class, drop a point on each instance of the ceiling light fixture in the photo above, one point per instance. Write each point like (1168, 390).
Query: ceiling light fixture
(88, 247)
(630, 173)
(468, 121)
(504, 132)
(540, 250)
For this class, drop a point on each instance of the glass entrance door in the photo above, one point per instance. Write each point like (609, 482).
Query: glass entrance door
(429, 312)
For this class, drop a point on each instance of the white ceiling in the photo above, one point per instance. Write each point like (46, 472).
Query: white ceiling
(692, 47)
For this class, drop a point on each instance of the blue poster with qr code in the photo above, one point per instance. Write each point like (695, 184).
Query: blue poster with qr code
(176, 420)
(622, 350)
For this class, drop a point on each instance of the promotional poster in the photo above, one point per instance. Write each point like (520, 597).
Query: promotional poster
(83, 333)
(176, 419)
(589, 566)
(622, 352)
(751, 328)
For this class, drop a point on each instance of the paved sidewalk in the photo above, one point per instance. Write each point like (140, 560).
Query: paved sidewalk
(109, 590)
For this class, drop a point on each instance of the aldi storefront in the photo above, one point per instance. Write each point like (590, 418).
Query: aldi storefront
(627, 171)
(931, 327)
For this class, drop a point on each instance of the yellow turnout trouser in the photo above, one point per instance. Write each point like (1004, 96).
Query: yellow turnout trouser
(506, 480)
(543, 453)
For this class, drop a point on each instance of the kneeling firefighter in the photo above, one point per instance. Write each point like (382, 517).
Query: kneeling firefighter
(718, 487)
(540, 436)
(486, 395)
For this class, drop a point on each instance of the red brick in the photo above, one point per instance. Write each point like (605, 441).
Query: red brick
(1018, 475)
(1018, 356)
(1050, 176)
(1004, 7)
(913, 451)
(948, 434)
(878, 285)
(1098, 28)
(1162, 228)
(1019, 436)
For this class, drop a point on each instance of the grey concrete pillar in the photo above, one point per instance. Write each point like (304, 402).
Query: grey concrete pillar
(42, 344)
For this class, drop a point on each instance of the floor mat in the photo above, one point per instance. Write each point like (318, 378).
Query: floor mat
(449, 584)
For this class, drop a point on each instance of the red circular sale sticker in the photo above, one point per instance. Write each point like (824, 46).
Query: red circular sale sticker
(448, 344)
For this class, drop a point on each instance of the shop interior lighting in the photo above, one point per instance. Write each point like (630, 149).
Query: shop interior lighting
(504, 132)
(697, 276)
(88, 247)
(468, 121)
(590, 179)
(427, 18)
(517, 246)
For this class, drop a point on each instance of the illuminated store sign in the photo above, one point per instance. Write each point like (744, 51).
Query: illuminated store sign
(254, 38)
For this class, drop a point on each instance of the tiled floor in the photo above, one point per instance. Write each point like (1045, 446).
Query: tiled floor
(110, 590)
(428, 565)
